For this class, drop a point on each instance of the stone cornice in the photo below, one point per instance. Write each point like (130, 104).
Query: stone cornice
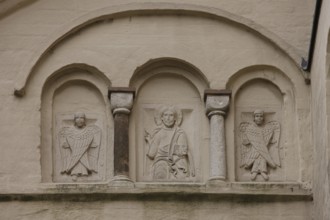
(272, 192)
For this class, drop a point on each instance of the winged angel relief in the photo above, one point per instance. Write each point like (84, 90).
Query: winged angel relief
(260, 145)
(79, 147)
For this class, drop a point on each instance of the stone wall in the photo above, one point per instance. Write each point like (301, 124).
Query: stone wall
(188, 208)
(320, 96)
(114, 69)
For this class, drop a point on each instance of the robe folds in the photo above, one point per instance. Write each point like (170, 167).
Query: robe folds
(260, 146)
(79, 149)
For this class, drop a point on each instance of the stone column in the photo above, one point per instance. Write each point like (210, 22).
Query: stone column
(121, 101)
(217, 103)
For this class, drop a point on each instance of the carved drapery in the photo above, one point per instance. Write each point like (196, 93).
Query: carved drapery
(260, 143)
(168, 148)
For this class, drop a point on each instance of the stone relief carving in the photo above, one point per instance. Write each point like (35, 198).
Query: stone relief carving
(260, 145)
(168, 146)
(79, 147)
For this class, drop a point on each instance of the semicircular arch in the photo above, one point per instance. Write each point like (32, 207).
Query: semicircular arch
(168, 65)
(144, 9)
(68, 90)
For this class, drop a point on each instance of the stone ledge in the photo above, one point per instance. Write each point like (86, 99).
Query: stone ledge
(262, 192)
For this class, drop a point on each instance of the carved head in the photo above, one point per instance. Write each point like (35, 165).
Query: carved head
(258, 117)
(168, 116)
(80, 119)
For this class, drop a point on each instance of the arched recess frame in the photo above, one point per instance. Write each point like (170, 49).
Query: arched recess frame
(181, 70)
(327, 62)
(71, 74)
(327, 72)
(290, 120)
(171, 65)
(109, 13)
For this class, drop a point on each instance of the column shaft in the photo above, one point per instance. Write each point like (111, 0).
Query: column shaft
(121, 152)
(121, 100)
(217, 104)
(218, 163)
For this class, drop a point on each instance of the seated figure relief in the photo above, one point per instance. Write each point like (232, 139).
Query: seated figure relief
(260, 145)
(79, 147)
(168, 147)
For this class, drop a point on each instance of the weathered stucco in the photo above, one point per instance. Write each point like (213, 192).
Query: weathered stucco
(61, 57)
(320, 115)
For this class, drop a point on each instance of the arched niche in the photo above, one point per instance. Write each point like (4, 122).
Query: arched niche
(68, 91)
(167, 82)
(167, 65)
(268, 89)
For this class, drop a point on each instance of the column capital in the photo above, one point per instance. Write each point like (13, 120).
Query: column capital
(216, 101)
(121, 99)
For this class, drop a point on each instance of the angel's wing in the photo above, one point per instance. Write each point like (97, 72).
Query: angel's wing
(93, 151)
(64, 148)
(245, 146)
(79, 142)
(272, 133)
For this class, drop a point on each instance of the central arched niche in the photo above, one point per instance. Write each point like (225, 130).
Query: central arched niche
(161, 84)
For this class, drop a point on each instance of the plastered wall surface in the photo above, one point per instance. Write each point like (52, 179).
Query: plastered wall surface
(320, 97)
(155, 210)
(61, 54)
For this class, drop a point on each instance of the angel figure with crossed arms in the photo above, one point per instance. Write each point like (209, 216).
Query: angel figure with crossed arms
(260, 145)
(79, 147)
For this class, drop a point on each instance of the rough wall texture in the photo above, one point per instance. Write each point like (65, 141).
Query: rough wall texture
(321, 109)
(227, 54)
(184, 210)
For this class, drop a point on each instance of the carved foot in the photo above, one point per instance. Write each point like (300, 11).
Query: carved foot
(253, 175)
(74, 178)
(265, 176)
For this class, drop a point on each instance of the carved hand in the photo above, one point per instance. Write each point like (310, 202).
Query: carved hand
(271, 164)
(150, 157)
(192, 172)
(65, 145)
(147, 136)
(94, 145)
(273, 141)
(246, 142)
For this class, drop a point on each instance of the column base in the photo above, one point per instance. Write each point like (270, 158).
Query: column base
(121, 181)
(216, 180)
